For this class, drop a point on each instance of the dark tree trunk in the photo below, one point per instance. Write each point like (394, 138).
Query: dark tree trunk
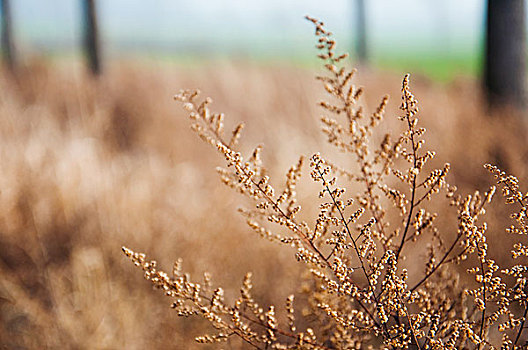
(91, 37)
(505, 56)
(361, 31)
(8, 49)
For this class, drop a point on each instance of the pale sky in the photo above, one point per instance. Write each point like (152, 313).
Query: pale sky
(271, 24)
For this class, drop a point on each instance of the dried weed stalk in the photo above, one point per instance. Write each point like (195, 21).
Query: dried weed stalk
(365, 289)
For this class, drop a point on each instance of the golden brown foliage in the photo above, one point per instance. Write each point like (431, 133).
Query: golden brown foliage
(369, 284)
(88, 165)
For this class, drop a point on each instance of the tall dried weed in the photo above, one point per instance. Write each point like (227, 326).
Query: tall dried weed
(397, 257)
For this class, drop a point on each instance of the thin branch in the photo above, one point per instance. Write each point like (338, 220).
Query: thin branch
(413, 190)
(418, 202)
(483, 318)
(521, 327)
(356, 249)
(433, 270)
(413, 332)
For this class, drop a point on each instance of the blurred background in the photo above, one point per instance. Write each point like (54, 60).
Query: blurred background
(95, 154)
(438, 39)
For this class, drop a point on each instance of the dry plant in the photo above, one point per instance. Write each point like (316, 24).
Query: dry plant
(382, 262)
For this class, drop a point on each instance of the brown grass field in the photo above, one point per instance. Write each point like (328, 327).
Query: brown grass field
(88, 166)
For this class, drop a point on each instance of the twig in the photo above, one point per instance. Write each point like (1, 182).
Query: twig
(356, 249)
(413, 190)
